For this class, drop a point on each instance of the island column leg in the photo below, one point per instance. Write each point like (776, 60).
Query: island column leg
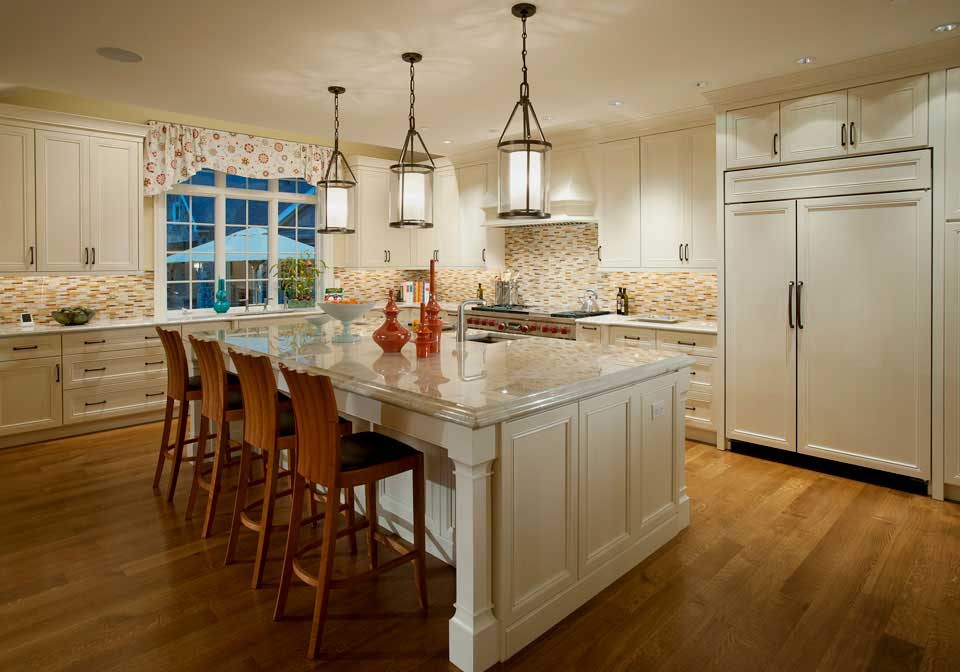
(474, 630)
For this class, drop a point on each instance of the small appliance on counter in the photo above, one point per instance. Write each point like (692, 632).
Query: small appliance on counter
(73, 315)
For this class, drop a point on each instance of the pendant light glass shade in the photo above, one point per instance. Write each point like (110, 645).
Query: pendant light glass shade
(411, 181)
(524, 160)
(337, 192)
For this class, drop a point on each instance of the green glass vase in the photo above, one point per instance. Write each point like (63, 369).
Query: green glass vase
(221, 303)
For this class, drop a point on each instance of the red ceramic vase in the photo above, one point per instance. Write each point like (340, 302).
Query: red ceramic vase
(391, 336)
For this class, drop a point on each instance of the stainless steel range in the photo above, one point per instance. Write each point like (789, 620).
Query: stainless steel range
(527, 320)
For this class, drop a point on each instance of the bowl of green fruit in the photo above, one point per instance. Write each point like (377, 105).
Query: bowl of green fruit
(73, 315)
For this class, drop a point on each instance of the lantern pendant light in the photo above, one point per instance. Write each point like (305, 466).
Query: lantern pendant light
(337, 193)
(524, 162)
(411, 182)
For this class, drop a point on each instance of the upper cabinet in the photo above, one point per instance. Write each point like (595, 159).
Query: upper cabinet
(619, 228)
(952, 154)
(875, 118)
(678, 199)
(71, 199)
(17, 220)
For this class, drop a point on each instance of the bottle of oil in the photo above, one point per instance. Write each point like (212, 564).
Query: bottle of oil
(480, 291)
(626, 301)
(619, 300)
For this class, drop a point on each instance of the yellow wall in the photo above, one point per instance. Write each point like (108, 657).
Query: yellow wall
(61, 102)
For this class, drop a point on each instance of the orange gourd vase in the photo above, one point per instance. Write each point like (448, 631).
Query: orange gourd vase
(391, 336)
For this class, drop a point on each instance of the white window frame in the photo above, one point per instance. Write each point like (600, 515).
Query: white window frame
(220, 192)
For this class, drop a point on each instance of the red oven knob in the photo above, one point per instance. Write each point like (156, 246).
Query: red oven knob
(544, 328)
(524, 328)
(501, 326)
(553, 329)
(489, 323)
(470, 320)
(563, 330)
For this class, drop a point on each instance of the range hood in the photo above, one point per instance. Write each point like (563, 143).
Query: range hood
(572, 195)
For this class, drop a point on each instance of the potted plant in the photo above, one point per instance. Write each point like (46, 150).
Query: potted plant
(297, 279)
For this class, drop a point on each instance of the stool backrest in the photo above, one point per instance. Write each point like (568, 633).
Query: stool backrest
(259, 389)
(176, 356)
(318, 425)
(213, 377)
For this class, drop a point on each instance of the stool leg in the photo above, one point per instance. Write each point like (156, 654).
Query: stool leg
(293, 532)
(198, 466)
(314, 504)
(220, 458)
(419, 532)
(164, 441)
(351, 518)
(266, 517)
(326, 570)
(370, 492)
(241, 502)
(178, 447)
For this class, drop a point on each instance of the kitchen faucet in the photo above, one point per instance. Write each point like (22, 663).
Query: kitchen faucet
(462, 321)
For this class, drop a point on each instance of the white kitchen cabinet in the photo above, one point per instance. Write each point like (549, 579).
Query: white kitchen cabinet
(441, 241)
(952, 153)
(378, 244)
(864, 330)
(678, 199)
(116, 204)
(30, 395)
(619, 227)
(951, 372)
(588, 333)
(63, 201)
(814, 127)
(888, 116)
(17, 202)
(760, 329)
(473, 239)
(753, 136)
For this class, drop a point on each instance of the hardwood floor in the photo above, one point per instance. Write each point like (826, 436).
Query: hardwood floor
(781, 569)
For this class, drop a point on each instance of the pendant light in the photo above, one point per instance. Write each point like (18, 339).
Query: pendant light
(524, 163)
(337, 194)
(411, 182)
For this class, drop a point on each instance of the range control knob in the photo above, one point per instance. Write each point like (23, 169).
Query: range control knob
(501, 326)
(544, 328)
(524, 328)
(470, 320)
(563, 330)
(553, 329)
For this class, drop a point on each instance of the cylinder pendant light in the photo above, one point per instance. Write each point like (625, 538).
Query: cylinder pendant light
(524, 161)
(411, 181)
(337, 192)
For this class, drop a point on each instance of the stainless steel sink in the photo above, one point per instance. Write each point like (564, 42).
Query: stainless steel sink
(491, 338)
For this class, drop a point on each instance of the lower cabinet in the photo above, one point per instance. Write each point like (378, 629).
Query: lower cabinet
(951, 378)
(588, 333)
(30, 395)
(106, 401)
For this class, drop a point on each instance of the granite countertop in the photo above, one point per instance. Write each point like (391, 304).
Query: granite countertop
(614, 320)
(471, 384)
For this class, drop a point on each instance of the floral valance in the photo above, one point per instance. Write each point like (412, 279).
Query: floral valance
(174, 153)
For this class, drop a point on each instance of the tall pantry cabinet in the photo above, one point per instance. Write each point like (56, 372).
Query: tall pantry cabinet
(951, 379)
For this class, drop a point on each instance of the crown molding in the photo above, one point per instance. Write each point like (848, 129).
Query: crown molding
(36, 115)
(939, 55)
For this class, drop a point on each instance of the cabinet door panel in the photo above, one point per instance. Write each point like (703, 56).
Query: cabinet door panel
(889, 115)
(63, 200)
(753, 136)
(374, 234)
(115, 204)
(760, 344)
(664, 204)
(17, 205)
(813, 127)
(701, 227)
(864, 350)
(952, 154)
(619, 228)
(30, 395)
(951, 378)
(472, 181)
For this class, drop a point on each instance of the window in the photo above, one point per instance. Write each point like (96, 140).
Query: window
(235, 228)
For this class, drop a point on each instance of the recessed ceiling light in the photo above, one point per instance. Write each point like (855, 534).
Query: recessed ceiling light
(119, 55)
(615, 103)
(805, 60)
(448, 142)
(701, 84)
(493, 130)
(946, 27)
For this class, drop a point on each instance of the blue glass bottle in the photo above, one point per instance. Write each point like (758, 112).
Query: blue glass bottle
(221, 302)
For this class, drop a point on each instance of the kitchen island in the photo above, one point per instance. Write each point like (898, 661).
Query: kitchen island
(553, 467)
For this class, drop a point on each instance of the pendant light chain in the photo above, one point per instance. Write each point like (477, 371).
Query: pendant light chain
(413, 99)
(525, 86)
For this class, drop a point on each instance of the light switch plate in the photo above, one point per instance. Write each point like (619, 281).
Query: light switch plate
(658, 408)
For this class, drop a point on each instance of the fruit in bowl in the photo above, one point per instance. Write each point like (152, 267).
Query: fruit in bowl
(73, 315)
(347, 313)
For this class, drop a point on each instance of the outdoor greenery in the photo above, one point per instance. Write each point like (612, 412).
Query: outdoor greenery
(297, 277)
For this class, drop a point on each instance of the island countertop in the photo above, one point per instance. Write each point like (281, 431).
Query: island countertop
(472, 384)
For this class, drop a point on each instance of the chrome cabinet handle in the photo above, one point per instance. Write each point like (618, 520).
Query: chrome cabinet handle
(853, 134)
(686, 252)
(776, 136)
(799, 306)
(790, 303)
(843, 135)
(32, 259)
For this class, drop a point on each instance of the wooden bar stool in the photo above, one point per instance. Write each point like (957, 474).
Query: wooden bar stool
(336, 462)
(221, 403)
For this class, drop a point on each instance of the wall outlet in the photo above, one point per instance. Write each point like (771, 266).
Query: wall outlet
(658, 408)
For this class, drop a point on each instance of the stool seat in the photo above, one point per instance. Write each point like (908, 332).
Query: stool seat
(368, 449)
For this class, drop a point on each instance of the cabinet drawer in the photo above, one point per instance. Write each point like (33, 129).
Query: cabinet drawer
(692, 344)
(644, 338)
(110, 339)
(124, 366)
(699, 412)
(589, 333)
(701, 375)
(29, 347)
(86, 403)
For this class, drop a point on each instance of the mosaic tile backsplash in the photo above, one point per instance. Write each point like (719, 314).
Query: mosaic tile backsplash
(113, 296)
(556, 264)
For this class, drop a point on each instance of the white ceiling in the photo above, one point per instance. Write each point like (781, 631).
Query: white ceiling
(269, 62)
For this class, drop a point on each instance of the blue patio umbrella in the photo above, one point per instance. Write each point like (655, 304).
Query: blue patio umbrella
(249, 244)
